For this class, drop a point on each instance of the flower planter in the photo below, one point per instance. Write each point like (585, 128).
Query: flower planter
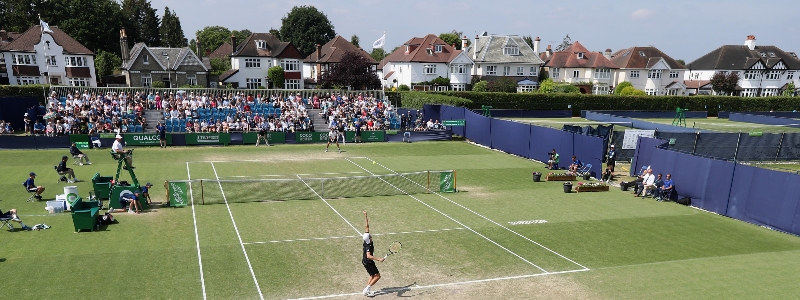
(556, 177)
(601, 188)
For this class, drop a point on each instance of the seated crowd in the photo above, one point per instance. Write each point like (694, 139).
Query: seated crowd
(5, 127)
(90, 113)
(347, 109)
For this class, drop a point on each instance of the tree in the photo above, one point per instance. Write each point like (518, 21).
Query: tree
(378, 54)
(305, 27)
(451, 39)
(725, 84)
(565, 43)
(19, 15)
(480, 86)
(219, 65)
(567, 88)
(680, 61)
(503, 85)
(790, 90)
(78, 18)
(140, 21)
(621, 86)
(528, 40)
(355, 41)
(275, 75)
(211, 37)
(632, 91)
(547, 86)
(354, 71)
(403, 88)
(171, 31)
(276, 33)
(107, 63)
(441, 81)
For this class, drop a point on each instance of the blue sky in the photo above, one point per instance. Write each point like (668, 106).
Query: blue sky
(683, 29)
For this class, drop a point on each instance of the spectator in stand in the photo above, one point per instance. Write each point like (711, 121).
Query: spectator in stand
(38, 128)
(75, 152)
(429, 125)
(666, 188)
(648, 183)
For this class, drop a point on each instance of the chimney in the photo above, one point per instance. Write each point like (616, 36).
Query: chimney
(536, 45)
(475, 53)
(319, 57)
(319, 52)
(123, 45)
(233, 44)
(608, 53)
(197, 46)
(750, 42)
(3, 35)
(464, 41)
(549, 51)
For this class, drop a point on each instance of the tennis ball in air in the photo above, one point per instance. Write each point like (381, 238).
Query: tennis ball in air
(373, 162)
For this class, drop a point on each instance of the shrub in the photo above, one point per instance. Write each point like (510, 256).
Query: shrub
(419, 99)
(480, 86)
(275, 75)
(441, 81)
(403, 88)
(158, 84)
(503, 85)
(632, 91)
(622, 85)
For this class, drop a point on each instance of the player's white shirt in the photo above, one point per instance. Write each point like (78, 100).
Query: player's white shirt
(117, 146)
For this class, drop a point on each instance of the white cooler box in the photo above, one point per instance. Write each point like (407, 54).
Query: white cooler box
(56, 206)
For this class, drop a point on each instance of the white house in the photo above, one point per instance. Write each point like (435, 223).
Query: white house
(251, 60)
(424, 59)
(506, 56)
(576, 64)
(327, 55)
(36, 57)
(763, 70)
(650, 70)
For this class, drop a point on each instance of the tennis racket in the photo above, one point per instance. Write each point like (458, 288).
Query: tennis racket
(393, 249)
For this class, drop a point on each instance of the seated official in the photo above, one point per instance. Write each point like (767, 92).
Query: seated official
(575, 165)
(75, 152)
(64, 170)
(117, 148)
(31, 186)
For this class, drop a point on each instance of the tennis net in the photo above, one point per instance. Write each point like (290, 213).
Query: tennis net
(212, 191)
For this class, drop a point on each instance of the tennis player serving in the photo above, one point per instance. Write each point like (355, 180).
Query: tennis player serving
(368, 260)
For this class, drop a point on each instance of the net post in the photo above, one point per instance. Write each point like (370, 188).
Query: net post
(202, 193)
(166, 190)
(455, 181)
(428, 187)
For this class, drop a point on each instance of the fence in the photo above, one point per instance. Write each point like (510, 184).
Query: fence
(760, 196)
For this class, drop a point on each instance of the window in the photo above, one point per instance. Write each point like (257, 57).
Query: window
(506, 70)
(602, 73)
(600, 89)
(762, 54)
(576, 74)
(749, 92)
(252, 63)
(641, 53)
(526, 88)
(26, 80)
(773, 75)
(654, 74)
(672, 92)
(191, 79)
(146, 59)
(634, 74)
(458, 87)
(290, 65)
(439, 48)
(51, 61)
(23, 59)
(520, 71)
(580, 55)
(534, 71)
(78, 81)
(511, 50)
(261, 44)
(491, 70)
(254, 83)
(790, 75)
(75, 61)
(147, 81)
(752, 74)
(291, 84)
(771, 54)
(429, 69)
(769, 92)
(458, 69)
(651, 92)
(673, 74)
(556, 72)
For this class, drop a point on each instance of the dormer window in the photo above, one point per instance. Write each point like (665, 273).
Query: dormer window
(641, 53)
(439, 48)
(429, 51)
(261, 44)
(771, 54)
(762, 54)
(511, 50)
(146, 59)
(407, 48)
(580, 55)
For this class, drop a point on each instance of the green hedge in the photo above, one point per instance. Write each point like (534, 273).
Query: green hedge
(35, 90)
(578, 102)
(419, 99)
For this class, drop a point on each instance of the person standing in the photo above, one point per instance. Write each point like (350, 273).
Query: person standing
(75, 152)
(28, 125)
(611, 158)
(262, 135)
(333, 137)
(358, 132)
(117, 148)
(368, 259)
(162, 134)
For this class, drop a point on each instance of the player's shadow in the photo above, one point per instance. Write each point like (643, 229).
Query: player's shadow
(400, 290)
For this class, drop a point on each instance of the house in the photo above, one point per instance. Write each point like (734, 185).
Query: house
(422, 59)
(577, 65)
(331, 53)
(505, 56)
(175, 67)
(650, 70)
(763, 70)
(251, 60)
(36, 57)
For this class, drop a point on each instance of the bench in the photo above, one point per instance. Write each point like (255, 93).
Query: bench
(102, 186)
(85, 214)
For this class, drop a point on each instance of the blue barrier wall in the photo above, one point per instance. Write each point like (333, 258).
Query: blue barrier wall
(761, 119)
(599, 117)
(13, 109)
(478, 128)
(514, 137)
(650, 114)
(516, 113)
(759, 196)
(453, 113)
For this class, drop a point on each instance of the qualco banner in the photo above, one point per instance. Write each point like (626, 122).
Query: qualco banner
(208, 138)
(144, 139)
(322, 137)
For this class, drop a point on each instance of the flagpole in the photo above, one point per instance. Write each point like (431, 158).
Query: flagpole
(46, 62)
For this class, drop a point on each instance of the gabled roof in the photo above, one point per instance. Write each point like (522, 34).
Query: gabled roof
(568, 58)
(137, 50)
(489, 48)
(228, 74)
(333, 51)
(223, 51)
(418, 51)
(740, 57)
(695, 84)
(642, 58)
(32, 36)
(167, 58)
(274, 46)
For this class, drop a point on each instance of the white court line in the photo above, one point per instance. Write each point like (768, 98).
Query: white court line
(417, 287)
(265, 160)
(353, 236)
(485, 218)
(249, 265)
(196, 236)
(454, 220)
(329, 205)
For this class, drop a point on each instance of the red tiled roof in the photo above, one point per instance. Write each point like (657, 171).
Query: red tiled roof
(568, 58)
(694, 84)
(334, 49)
(388, 75)
(632, 58)
(32, 36)
(227, 74)
(417, 52)
(274, 46)
(223, 51)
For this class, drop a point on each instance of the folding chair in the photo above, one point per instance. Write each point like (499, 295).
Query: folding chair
(63, 175)
(32, 193)
(76, 160)
(4, 221)
(96, 142)
(585, 170)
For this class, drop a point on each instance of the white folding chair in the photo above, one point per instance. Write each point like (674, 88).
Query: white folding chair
(585, 170)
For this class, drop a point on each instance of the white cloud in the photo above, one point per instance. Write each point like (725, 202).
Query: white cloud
(642, 13)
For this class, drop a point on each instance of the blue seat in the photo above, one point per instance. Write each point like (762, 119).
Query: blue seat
(168, 128)
(278, 111)
(168, 122)
(139, 128)
(183, 129)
